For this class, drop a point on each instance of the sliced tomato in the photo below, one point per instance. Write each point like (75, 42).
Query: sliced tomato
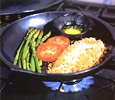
(63, 41)
(48, 52)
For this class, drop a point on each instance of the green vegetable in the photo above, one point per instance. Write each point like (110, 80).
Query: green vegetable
(19, 60)
(45, 37)
(24, 54)
(19, 49)
(34, 58)
(39, 38)
(17, 54)
(32, 64)
(37, 64)
(28, 64)
(25, 60)
(39, 41)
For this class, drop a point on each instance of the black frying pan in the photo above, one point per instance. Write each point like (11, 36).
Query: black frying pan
(24, 6)
(13, 34)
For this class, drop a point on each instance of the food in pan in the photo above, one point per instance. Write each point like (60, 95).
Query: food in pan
(73, 25)
(79, 56)
(63, 41)
(62, 57)
(52, 48)
(34, 50)
(26, 54)
(71, 30)
(48, 52)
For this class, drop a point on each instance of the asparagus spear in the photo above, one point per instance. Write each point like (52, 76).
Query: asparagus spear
(39, 41)
(39, 38)
(37, 64)
(28, 32)
(19, 60)
(20, 57)
(33, 43)
(17, 54)
(32, 64)
(24, 54)
(20, 47)
(45, 37)
(28, 64)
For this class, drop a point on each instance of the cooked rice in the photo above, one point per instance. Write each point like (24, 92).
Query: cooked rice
(79, 56)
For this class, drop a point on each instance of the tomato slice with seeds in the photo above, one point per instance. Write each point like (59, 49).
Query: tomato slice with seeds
(63, 41)
(48, 52)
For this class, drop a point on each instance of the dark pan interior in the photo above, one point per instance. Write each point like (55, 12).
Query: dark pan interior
(14, 33)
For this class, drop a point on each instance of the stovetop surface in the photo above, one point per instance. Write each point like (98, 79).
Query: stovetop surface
(102, 89)
(104, 81)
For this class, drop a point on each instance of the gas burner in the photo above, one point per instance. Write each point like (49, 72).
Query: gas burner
(75, 85)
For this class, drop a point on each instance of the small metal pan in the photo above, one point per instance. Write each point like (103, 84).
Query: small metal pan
(13, 34)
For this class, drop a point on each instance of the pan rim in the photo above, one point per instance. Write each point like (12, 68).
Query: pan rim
(14, 68)
(30, 11)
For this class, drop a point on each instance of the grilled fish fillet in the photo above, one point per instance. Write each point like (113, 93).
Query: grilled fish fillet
(79, 56)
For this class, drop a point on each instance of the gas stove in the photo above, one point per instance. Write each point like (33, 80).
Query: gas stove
(100, 86)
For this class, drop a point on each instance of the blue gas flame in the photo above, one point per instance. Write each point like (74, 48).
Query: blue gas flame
(77, 86)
